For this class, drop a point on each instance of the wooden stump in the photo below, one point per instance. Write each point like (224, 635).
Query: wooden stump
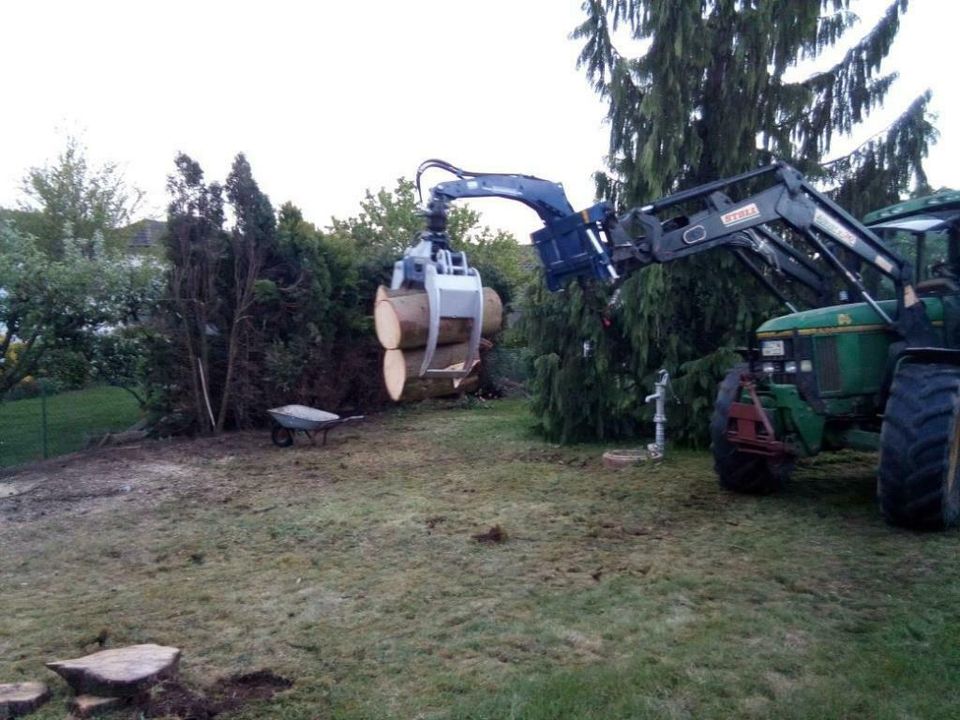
(119, 672)
(88, 706)
(402, 319)
(619, 459)
(21, 698)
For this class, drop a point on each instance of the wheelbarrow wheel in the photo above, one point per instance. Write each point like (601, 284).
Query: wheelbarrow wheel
(281, 436)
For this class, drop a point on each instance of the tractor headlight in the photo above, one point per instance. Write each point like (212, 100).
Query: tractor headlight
(806, 366)
(768, 368)
(790, 367)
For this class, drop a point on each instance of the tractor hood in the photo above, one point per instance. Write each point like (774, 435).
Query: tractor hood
(856, 317)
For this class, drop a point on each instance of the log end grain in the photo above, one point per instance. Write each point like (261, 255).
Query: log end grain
(387, 325)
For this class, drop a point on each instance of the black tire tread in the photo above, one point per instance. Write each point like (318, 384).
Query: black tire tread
(738, 471)
(918, 423)
(281, 436)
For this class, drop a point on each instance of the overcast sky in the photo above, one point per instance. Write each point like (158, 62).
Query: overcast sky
(330, 98)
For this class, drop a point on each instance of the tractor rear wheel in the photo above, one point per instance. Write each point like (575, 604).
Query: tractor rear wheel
(740, 471)
(918, 480)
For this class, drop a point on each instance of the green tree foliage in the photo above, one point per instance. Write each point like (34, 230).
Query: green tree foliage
(374, 239)
(71, 198)
(276, 310)
(67, 231)
(718, 89)
(313, 322)
(55, 313)
(252, 242)
(389, 222)
(182, 380)
(215, 279)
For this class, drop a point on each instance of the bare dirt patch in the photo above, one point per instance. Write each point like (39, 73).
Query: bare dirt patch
(148, 472)
(493, 536)
(227, 695)
(350, 570)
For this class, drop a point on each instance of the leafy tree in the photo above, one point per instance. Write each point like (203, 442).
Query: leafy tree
(120, 358)
(314, 323)
(390, 221)
(251, 242)
(250, 307)
(66, 305)
(195, 244)
(73, 199)
(710, 97)
(214, 279)
(293, 296)
(276, 310)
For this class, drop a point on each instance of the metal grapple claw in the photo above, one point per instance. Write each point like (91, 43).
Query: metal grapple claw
(454, 290)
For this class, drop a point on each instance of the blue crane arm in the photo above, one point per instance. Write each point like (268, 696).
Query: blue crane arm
(544, 197)
(570, 243)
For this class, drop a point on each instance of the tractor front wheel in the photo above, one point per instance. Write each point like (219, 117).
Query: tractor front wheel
(740, 471)
(918, 480)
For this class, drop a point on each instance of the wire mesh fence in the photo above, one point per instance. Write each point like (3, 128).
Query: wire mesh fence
(37, 422)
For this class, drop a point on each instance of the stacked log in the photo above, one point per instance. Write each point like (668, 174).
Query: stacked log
(402, 320)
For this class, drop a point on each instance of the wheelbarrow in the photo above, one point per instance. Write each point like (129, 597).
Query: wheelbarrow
(291, 419)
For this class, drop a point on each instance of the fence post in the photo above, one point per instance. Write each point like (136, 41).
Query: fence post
(43, 414)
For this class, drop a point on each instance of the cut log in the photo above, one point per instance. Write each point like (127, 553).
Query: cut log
(402, 321)
(401, 370)
(384, 293)
(422, 388)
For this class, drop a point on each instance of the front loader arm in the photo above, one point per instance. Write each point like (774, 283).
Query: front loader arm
(814, 218)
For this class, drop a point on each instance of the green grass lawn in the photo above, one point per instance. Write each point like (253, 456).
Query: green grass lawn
(72, 418)
(353, 571)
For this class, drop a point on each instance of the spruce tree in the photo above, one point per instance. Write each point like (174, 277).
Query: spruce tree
(717, 91)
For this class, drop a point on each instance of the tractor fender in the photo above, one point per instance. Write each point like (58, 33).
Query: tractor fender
(945, 356)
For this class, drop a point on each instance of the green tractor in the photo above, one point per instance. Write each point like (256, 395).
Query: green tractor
(840, 377)
(878, 371)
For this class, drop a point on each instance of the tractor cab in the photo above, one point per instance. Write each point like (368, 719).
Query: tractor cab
(926, 232)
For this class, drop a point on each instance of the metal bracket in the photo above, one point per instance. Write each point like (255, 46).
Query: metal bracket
(746, 417)
(452, 296)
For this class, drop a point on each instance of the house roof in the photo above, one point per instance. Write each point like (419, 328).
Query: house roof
(144, 234)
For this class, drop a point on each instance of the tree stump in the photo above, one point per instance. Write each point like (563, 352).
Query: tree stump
(118, 672)
(20, 698)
